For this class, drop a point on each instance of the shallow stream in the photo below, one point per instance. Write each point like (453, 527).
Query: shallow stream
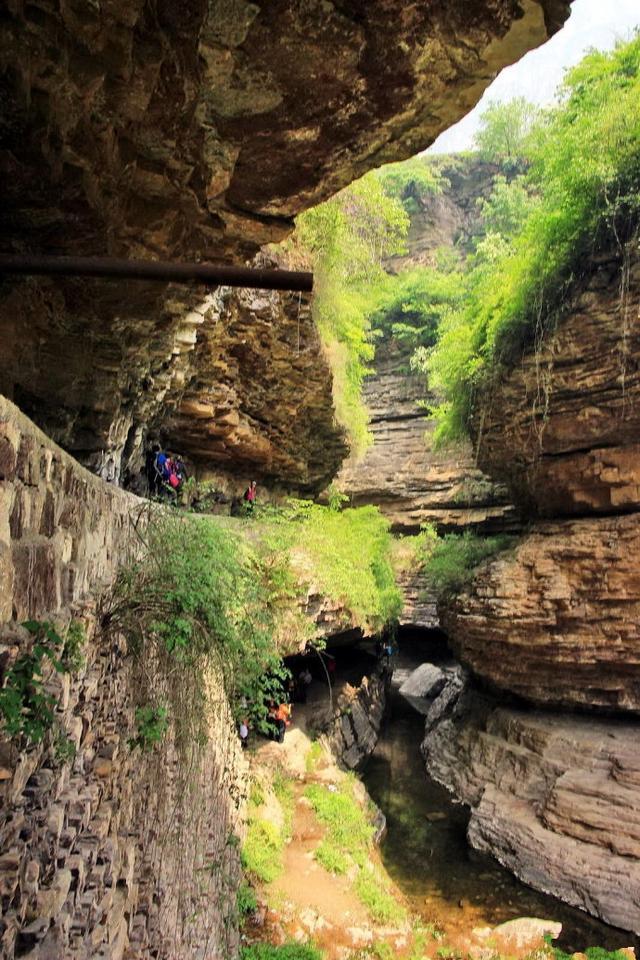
(426, 852)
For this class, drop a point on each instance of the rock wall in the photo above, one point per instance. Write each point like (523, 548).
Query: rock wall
(134, 129)
(261, 401)
(562, 429)
(554, 797)
(355, 726)
(403, 474)
(63, 531)
(557, 620)
(95, 861)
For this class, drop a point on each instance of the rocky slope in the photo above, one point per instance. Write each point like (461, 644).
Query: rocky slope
(138, 129)
(553, 796)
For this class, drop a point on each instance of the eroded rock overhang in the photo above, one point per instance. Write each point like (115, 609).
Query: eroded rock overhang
(199, 132)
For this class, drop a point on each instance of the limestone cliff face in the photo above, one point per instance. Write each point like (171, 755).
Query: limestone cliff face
(199, 131)
(402, 473)
(562, 427)
(552, 796)
(556, 622)
(260, 402)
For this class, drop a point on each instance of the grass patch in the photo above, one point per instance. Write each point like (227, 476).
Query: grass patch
(332, 858)
(262, 850)
(313, 757)
(347, 844)
(381, 905)
(287, 951)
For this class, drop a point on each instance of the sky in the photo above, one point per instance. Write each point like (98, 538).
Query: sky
(593, 23)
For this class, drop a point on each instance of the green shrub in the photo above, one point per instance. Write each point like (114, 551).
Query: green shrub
(246, 901)
(201, 601)
(454, 558)
(151, 726)
(26, 707)
(288, 951)
(262, 850)
(345, 553)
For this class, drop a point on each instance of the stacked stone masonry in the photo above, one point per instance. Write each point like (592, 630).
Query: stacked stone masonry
(95, 860)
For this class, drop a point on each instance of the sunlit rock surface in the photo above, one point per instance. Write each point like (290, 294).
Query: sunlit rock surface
(557, 620)
(553, 796)
(562, 427)
(198, 131)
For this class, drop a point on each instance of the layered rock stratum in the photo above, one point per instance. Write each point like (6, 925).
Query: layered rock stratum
(554, 620)
(553, 796)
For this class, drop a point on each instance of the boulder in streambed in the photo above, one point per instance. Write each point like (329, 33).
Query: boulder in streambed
(423, 685)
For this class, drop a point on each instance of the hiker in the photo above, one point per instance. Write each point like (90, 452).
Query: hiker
(150, 469)
(243, 730)
(249, 497)
(304, 682)
(282, 717)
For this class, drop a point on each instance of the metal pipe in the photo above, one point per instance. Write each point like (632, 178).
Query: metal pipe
(156, 270)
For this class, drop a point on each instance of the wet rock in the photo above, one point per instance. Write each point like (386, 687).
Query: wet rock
(554, 797)
(527, 932)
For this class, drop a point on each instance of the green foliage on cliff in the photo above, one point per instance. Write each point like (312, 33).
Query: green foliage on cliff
(415, 303)
(580, 194)
(344, 554)
(204, 601)
(450, 562)
(27, 705)
(410, 180)
(198, 604)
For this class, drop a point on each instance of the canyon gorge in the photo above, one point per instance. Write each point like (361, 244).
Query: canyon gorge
(200, 133)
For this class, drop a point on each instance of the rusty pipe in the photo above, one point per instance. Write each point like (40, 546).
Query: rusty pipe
(158, 270)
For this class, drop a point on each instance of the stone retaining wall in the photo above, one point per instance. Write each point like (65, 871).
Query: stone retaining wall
(109, 853)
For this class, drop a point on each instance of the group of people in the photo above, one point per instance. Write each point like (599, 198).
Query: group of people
(294, 690)
(166, 472)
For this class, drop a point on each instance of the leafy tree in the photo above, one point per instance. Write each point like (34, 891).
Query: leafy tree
(410, 180)
(415, 302)
(508, 206)
(502, 136)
